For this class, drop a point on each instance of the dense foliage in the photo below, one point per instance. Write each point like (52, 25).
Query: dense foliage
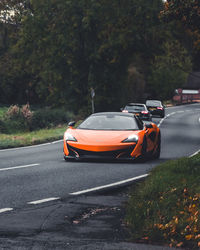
(54, 52)
(186, 12)
(24, 119)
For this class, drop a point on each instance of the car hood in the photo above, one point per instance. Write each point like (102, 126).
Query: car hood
(100, 139)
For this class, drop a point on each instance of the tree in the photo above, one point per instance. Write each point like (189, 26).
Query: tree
(65, 47)
(188, 13)
(169, 70)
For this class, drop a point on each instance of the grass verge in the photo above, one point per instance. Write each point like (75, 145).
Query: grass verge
(31, 138)
(165, 208)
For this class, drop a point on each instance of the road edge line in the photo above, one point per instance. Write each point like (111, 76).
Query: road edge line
(109, 185)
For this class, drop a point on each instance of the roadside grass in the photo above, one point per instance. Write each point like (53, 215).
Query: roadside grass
(165, 208)
(31, 138)
(19, 126)
(3, 111)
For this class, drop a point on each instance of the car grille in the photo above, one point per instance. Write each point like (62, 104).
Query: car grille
(116, 154)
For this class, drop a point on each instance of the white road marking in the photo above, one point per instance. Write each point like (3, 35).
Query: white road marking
(3, 210)
(194, 153)
(43, 200)
(54, 142)
(109, 185)
(18, 167)
(32, 146)
(176, 112)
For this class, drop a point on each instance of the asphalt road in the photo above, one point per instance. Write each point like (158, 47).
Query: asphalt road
(39, 172)
(38, 175)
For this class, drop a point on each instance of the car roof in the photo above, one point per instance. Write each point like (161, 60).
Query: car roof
(113, 113)
(153, 101)
(135, 104)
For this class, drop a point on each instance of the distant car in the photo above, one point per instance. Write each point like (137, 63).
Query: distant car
(156, 108)
(112, 135)
(138, 109)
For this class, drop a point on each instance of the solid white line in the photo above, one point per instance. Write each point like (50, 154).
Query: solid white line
(161, 121)
(109, 185)
(25, 166)
(194, 153)
(54, 142)
(3, 210)
(32, 146)
(44, 200)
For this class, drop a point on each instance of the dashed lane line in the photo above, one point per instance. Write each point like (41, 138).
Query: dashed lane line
(43, 200)
(176, 112)
(3, 210)
(18, 167)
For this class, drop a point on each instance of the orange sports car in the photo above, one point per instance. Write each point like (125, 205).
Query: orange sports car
(112, 135)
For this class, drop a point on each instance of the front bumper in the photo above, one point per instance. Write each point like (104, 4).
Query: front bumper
(79, 154)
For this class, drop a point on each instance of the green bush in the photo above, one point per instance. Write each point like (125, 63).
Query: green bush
(47, 118)
(17, 119)
(2, 127)
(20, 119)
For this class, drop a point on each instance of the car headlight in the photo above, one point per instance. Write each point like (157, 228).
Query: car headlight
(69, 137)
(131, 138)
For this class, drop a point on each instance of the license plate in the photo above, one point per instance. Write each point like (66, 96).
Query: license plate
(137, 114)
(152, 109)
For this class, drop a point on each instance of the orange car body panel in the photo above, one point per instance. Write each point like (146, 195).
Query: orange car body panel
(103, 140)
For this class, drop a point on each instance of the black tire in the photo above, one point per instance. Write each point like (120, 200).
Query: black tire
(144, 149)
(65, 158)
(68, 159)
(157, 153)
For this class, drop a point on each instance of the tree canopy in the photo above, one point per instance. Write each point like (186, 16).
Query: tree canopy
(56, 50)
(188, 13)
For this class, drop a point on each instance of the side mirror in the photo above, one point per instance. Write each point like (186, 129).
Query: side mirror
(148, 125)
(71, 124)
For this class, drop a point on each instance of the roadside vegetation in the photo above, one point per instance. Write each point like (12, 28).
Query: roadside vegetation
(165, 208)
(21, 126)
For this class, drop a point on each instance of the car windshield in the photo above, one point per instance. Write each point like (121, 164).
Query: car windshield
(153, 103)
(134, 108)
(109, 122)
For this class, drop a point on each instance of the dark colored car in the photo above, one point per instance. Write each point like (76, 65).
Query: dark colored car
(138, 109)
(156, 108)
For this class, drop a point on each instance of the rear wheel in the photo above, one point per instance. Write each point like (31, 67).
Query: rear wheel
(156, 155)
(144, 149)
